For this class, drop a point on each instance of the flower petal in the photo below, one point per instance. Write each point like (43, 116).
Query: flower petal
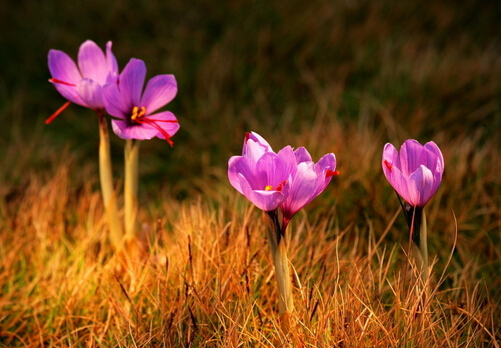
(164, 121)
(132, 81)
(264, 200)
(63, 68)
(91, 93)
(128, 130)
(410, 156)
(111, 61)
(92, 62)
(114, 102)
(302, 155)
(420, 187)
(159, 91)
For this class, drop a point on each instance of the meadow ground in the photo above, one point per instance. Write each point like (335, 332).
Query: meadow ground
(342, 77)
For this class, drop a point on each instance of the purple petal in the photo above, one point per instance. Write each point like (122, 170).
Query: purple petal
(233, 173)
(303, 189)
(264, 200)
(259, 149)
(420, 188)
(410, 156)
(164, 121)
(92, 62)
(398, 181)
(91, 93)
(111, 61)
(271, 170)
(114, 102)
(128, 130)
(63, 68)
(70, 93)
(327, 162)
(159, 91)
(132, 81)
(302, 155)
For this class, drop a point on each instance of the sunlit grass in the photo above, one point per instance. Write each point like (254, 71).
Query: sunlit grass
(207, 278)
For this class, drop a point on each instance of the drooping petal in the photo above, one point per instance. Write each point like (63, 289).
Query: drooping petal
(128, 130)
(91, 93)
(132, 81)
(159, 91)
(114, 102)
(92, 62)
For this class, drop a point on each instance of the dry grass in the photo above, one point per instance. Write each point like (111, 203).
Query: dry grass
(207, 279)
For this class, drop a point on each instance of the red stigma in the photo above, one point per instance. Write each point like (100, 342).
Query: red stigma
(388, 165)
(330, 173)
(58, 111)
(153, 123)
(53, 80)
(281, 186)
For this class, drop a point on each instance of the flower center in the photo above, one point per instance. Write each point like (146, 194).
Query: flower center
(278, 188)
(138, 116)
(137, 113)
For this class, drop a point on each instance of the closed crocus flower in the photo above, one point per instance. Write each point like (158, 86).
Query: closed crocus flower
(82, 84)
(135, 110)
(308, 179)
(259, 174)
(415, 172)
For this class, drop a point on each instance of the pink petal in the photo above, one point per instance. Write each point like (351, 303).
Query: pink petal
(302, 155)
(70, 93)
(159, 91)
(162, 119)
(420, 187)
(63, 68)
(132, 81)
(111, 61)
(264, 200)
(114, 102)
(92, 62)
(91, 93)
(410, 156)
(128, 130)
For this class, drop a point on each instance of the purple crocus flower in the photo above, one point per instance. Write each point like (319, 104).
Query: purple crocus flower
(135, 109)
(259, 174)
(307, 179)
(415, 172)
(288, 180)
(82, 84)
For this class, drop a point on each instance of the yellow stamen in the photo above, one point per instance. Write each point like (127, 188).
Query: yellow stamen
(137, 112)
(268, 188)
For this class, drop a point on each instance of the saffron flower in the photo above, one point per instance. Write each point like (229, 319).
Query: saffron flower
(259, 174)
(135, 109)
(82, 84)
(288, 179)
(415, 172)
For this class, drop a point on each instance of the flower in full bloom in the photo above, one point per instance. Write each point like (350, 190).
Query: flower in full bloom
(415, 172)
(82, 84)
(135, 109)
(288, 180)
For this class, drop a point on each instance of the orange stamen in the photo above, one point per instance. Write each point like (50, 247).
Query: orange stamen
(58, 111)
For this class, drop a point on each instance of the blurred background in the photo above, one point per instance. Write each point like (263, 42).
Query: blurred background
(329, 75)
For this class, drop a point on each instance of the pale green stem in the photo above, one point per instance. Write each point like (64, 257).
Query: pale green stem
(106, 177)
(130, 188)
(279, 253)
